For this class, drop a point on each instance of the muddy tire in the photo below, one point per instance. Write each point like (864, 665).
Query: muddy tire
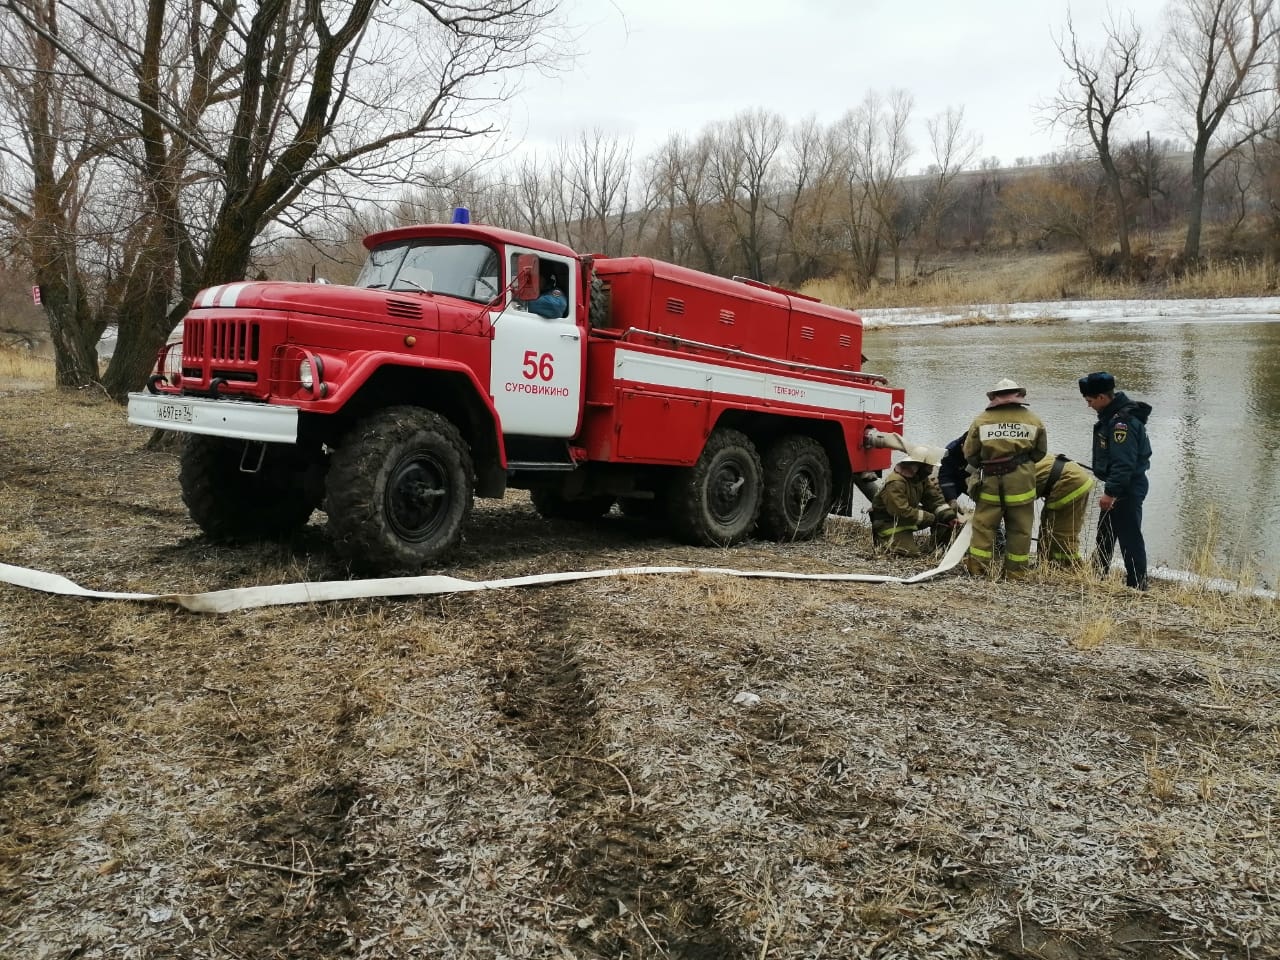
(716, 502)
(797, 489)
(598, 312)
(229, 504)
(552, 505)
(399, 490)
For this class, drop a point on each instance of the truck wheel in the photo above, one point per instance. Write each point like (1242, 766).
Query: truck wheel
(551, 505)
(598, 310)
(227, 503)
(797, 489)
(399, 490)
(717, 500)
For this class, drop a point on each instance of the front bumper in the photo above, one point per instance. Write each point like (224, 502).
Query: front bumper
(238, 419)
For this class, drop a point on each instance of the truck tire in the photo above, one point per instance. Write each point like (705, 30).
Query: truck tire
(399, 490)
(716, 502)
(229, 504)
(797, 489)
(598, 312)
(552, 505)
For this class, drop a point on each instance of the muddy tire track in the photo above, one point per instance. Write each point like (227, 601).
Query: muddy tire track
(53, 759)
(290, 881)
(634, 893)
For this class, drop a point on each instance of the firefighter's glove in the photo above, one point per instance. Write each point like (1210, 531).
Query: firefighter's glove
(924, 517)
(947, 515)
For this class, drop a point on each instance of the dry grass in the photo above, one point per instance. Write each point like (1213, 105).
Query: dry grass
(1227, 278)
(20, 369)
(987, 280)
(932, 771)
(971, 281)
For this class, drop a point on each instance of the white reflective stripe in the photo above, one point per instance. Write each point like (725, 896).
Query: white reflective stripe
(206, 297)
(230, 293)
(248, 598)
(666, 371)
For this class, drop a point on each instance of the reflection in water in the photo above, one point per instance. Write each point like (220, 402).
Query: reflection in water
(1215, 425)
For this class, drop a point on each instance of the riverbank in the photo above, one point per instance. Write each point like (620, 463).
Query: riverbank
(956, 279)
(1052, 768)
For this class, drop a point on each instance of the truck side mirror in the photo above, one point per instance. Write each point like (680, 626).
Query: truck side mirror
(528, 285)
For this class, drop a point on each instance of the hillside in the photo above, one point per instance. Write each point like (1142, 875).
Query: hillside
(1051, 769)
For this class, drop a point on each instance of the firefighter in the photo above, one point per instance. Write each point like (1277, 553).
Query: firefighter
(910, 501)
(1064, 485)
(1121, 458)
(1003, 444)
(953, 472)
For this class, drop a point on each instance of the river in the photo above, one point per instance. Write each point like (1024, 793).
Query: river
(1209, 369)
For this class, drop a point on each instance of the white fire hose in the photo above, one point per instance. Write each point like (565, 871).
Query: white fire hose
(248, 598)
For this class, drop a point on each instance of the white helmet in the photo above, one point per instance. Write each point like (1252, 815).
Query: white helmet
(926, 456)
(1006, 386)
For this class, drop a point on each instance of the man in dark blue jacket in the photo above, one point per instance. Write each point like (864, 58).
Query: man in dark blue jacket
(953, 472)
(1121, 457)
(552, 303)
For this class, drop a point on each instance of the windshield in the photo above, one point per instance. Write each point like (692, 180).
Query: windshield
(457, 268)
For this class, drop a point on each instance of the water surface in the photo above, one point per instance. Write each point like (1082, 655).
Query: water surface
(1213, 382)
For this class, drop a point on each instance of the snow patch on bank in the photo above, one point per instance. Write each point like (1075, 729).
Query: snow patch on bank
(1223, 310)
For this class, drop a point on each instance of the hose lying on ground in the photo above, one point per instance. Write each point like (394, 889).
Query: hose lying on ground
(248, 598)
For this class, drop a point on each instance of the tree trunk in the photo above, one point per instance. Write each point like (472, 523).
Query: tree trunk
(1195, 207)
(1117, 197)
(74, 333)
(135, 353)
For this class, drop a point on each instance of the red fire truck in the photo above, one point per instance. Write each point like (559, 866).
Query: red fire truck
(723, 407)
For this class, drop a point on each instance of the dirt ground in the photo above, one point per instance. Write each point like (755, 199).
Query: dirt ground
(1054, 769)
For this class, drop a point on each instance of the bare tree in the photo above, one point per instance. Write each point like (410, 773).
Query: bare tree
(806, 200)
(1222, 63)
(979, 195)
(1151, 178)
(55, 148)
(537, 190)
(953, 149)
(686, 165)
(1230, 190)
(744, 166)
(239, 115)
(1104, 84)
(599, 173)
(1067, 202)
(873, 138)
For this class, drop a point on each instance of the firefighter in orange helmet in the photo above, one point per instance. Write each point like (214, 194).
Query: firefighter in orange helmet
(909, 501)
(1004, 443)
(1064, 485)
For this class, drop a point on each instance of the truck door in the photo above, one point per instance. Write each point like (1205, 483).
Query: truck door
(535, 374)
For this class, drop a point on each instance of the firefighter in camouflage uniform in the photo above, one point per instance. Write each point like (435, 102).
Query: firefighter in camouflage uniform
(1064, 485)
(1004, 443)
(909, 501)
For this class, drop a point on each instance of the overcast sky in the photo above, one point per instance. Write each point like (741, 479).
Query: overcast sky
(646, 68)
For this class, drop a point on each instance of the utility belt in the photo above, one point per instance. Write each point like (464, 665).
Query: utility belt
(1000, 466)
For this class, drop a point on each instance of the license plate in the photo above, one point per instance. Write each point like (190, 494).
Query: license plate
(175, 412)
